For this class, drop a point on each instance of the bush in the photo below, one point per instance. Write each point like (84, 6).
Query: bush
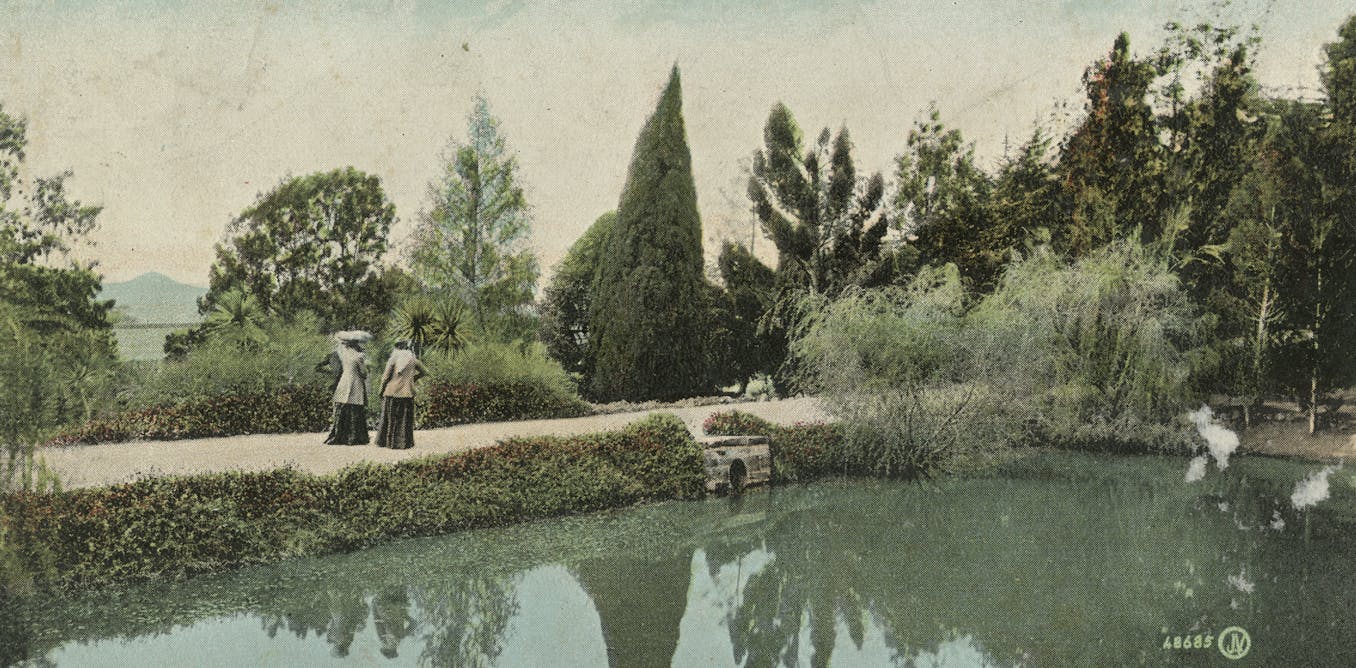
(216, 390)
(496, 381)
(294, 408)
(1099, 353)
(284, 355)
(444, 405)
(800, 453)
(182, 525)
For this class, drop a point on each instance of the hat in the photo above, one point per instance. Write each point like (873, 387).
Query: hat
(353, 336)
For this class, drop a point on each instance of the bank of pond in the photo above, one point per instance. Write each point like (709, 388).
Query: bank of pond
(1050, 558)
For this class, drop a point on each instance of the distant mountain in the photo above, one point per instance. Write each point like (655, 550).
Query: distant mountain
(154, 298)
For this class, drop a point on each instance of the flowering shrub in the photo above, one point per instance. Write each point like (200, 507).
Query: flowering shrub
(175, 526)
(801, 452)
(445, 404)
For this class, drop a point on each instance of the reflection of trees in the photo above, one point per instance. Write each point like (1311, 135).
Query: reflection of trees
(392, 620)
(1077, 570)
(640, 602)
(465, 618)
(813, 576)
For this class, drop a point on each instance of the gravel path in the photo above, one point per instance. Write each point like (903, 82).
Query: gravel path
(112, 463)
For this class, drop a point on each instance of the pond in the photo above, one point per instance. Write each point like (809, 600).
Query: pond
(1060, 559)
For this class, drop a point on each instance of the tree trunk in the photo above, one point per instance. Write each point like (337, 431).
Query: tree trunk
(1313, 400)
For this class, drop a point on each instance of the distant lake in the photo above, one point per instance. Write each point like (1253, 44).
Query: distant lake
(143, 343)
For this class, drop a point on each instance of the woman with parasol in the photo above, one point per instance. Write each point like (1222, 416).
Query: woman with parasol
(350, 394)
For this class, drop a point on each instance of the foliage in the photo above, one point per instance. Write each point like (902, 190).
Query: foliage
(1112, 165)
(175, 526)
(750, 292)
(917, 391)
(282, 353)
(827, 223)
(1099, 353)
(429, 324)
(943, 202)
(1104, 352)
(800, 453)
(564, 324)
(312, 243)
(471, 245)
(649, 311)
(276, 410)
(444, 404)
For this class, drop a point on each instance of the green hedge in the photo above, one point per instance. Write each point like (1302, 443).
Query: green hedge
(292, 408)
(176, 526)
(308, 408)
(801, 452)
(446, 404)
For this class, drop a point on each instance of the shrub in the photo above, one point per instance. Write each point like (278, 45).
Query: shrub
(285, 355)
(1099, 353)
(800, 453)
(443, 404)
(491, 381)
(294, 408)
(181, 525)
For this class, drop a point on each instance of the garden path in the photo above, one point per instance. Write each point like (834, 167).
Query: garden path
(112, 463)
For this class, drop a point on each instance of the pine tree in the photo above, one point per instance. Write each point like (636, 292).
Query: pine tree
(650, 308)
(471, 245)
(1111, 166)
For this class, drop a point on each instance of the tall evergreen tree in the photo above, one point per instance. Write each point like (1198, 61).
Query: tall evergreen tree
(649, 313)
(564, 323)
(1316, 274)
(943, 202)
(826, 222)
(471, 245)
(1112, 165)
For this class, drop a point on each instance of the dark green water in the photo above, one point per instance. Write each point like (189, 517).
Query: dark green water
(1063, 559)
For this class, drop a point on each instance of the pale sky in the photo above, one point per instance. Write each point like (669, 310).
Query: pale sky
(174, 115)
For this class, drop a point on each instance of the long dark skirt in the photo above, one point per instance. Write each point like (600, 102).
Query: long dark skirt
(350, 425)
(397, 423)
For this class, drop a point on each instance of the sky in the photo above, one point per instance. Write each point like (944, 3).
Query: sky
(174, 116)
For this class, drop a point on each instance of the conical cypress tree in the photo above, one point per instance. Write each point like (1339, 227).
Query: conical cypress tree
(649, 307)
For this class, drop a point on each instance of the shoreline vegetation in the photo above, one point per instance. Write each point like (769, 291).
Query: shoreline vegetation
(1180, 243)
(171, 527)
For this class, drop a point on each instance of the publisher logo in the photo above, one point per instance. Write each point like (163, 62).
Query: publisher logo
(1234, 642)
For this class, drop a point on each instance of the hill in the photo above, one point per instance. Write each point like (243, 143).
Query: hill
(154, 298)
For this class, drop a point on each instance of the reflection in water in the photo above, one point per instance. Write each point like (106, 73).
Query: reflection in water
(1078, 561)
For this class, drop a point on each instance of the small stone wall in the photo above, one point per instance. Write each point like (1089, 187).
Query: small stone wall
(734, 463)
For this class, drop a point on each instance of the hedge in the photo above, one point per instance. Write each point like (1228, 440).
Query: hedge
(801, 452)
(445, 404)
(292, 408)
(308, 408)
(177, 526)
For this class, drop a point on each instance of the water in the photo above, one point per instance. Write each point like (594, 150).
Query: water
(1065, 559)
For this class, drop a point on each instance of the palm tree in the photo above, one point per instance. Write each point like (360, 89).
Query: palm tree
(237, 317)
(424, 322)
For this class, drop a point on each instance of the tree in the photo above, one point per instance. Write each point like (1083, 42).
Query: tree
(750, 291)
(55, 342)
(472, 243)
(1026, 196)
(313, 243)
(1111, 166)
(564, 324)
(827, 224)
(1316, 288)
(943, 202)
(649, 311)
